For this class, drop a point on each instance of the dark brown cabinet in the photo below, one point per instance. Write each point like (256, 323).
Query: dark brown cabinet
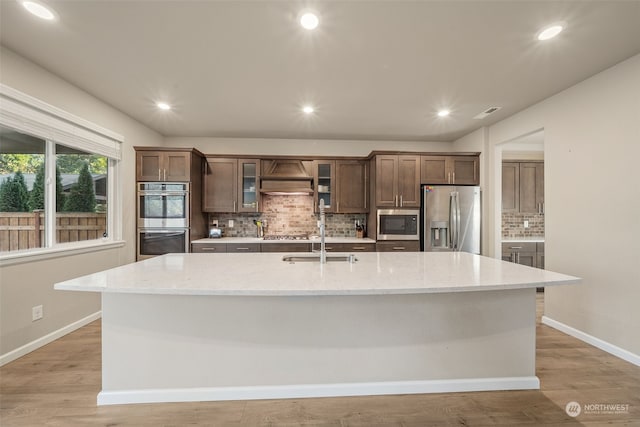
(398, 246)
(213, 248)
(524, 253)
(243, 247)
(523, 187)
(285, 247)
(351, 186)
(458, 170)
(349, 247)
(231, 185)
(397, 181)
(159, 165)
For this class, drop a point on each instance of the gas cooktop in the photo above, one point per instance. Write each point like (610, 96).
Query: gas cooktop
(286, 237)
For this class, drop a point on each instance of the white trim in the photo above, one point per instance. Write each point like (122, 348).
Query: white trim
(58, 251)
(36, 344)
(596, 342)
(316, 390)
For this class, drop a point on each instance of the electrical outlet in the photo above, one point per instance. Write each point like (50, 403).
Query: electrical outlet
(526, 224)
(36, 313)
(230, 223)
(214, 223)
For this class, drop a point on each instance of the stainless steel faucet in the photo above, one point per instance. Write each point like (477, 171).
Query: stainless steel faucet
(323, 251)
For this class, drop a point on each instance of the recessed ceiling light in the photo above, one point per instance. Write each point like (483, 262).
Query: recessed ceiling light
(163, 106)
(308, 109)
(309, 21)
(39, 10)
(550, 31)
(443, 113)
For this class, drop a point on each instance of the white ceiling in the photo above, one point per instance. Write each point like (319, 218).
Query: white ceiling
(373, 69)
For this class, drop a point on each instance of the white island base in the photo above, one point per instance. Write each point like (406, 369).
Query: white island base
(177, 348)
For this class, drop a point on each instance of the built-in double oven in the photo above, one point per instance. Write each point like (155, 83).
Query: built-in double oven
(163, 218)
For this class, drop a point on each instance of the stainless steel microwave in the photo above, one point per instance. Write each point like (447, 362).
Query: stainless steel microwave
(398, 224)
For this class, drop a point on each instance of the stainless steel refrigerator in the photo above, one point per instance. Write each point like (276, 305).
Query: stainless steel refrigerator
(450, 218)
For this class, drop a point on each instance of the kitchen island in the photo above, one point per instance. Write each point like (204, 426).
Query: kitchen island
(195, 327)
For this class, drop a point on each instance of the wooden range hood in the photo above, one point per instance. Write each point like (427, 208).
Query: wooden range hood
(286, 176)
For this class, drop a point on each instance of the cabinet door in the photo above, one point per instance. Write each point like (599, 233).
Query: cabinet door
(408, 181)
(386, 181)
(243, 247)
(510, 187)
(464, 170)
(149, 165)
(220, 185)
(398, 246)
(351, 186)
(527, 258)
(531, 187)
(212, 248)
(285, 247)
(248, 183)
(176, 167)
(324, 176)
(433, 170)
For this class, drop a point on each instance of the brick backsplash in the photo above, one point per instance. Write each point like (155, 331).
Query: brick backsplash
(513, 225)
(291, 214)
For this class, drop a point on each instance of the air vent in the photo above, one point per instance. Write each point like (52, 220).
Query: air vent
(486, 112)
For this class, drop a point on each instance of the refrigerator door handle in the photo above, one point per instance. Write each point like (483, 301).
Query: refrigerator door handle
(452, 224)
(457, 199)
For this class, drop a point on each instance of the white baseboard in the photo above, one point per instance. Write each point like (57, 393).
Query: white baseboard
(36, 344)
(316, 390)
(596, 342)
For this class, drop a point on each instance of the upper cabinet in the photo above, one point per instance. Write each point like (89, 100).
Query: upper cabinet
(397, 182)
(158, 165)
(324, 177)
(342, 184)
(453, 170)
(231, 185)
(523, 187)
(351, 186)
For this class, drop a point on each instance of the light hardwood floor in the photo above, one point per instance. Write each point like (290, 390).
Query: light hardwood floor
(57, 386)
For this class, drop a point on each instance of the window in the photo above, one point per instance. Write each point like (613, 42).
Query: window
(58, 179)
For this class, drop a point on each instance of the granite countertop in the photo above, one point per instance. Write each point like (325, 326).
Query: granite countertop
(523, 239)
(261, 240)
(265, 274)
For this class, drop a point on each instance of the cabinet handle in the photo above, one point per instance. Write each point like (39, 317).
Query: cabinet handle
(515, 247)
(358, 248)
(518, 254)
(257, 209)
(396, 201)
(328, 248)
(448, 177)
(165, 174)
(401, 200)
(159, 176)
(454, 178)
(209, 249)
(242, 249)
(234, 205)
(398, 248)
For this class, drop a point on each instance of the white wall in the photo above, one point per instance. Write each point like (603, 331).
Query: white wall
(301, 147)
(592, 200)
(25, 285)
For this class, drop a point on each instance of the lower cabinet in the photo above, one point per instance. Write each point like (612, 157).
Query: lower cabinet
(398, 246)
(214, 248)
(525, 253)
(348, 247)
(285, 247)
(243, 247)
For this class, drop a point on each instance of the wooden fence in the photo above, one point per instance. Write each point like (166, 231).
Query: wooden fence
(18, 229)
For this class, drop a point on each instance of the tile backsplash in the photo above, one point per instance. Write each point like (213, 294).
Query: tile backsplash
(513, 225)
(291, 214)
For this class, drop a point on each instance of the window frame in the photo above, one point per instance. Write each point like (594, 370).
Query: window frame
(31, 116)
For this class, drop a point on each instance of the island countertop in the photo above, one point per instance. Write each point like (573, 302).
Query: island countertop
(265, 274)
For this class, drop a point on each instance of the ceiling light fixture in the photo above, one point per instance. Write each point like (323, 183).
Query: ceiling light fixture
(309, 21)
(163, 106)
(39, 10)
(443, 113)
(308, 109)
(550, 31)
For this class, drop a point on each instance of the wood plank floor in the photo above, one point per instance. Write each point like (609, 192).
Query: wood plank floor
(57, 386)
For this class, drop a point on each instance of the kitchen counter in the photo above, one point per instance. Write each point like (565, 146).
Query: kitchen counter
(259, 274)
(523, 239)
(261, 240)
(228, 326)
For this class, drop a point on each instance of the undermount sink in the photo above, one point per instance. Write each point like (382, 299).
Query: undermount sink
(316, 258)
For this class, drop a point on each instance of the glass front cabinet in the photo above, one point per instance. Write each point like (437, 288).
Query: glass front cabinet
(324, 179)
(248, 185)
